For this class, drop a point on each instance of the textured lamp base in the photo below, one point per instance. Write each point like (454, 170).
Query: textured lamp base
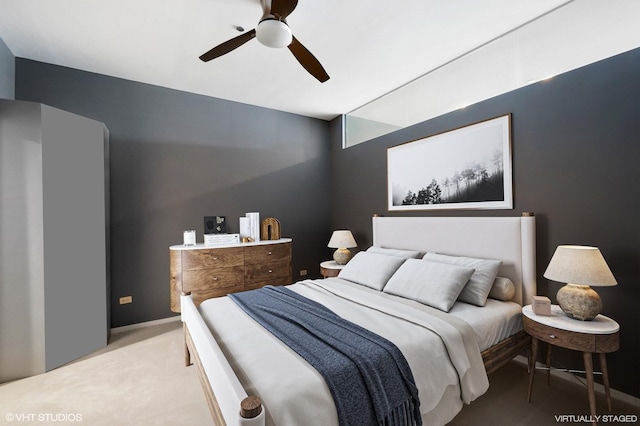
(579, 302)
(342, 256)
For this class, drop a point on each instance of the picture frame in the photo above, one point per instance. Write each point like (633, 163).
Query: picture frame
(465, 168)
(215, 225)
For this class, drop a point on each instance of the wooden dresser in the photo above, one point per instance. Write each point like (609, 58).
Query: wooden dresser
(206, 271)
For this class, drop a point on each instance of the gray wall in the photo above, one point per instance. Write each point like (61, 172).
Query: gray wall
(53, 290)
(576, 149)
(176, 157)
(22, 304)
(7, 72)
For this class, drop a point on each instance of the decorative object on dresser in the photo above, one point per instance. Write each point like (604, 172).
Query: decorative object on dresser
(579, 267)
(599, 336)
(270, 229)
(221, 239)
(244, 229)
(206, 272)
(215, 225)
(250, 227)
(189, 237)
(342, 240)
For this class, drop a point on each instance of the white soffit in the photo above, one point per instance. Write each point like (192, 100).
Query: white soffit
(577, 34)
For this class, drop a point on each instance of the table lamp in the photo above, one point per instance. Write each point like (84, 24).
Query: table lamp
(579, 267)
(342, 240)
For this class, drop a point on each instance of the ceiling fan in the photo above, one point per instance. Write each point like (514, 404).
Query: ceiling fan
(273, 31)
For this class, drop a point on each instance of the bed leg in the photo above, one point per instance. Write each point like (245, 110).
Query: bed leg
(187, 355)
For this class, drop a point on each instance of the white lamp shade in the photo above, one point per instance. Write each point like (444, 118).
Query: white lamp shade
(580, 265)
(342, 239)
(274, 33)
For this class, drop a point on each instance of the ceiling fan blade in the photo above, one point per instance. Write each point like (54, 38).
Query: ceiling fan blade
(283, 8)
(308, 61)
(228, 46)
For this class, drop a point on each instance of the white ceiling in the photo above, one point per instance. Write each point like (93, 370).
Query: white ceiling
(368, 47)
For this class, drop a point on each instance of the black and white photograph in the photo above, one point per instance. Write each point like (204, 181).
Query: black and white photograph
(466, 168)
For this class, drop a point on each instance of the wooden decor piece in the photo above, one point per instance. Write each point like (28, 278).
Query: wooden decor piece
(270, 229)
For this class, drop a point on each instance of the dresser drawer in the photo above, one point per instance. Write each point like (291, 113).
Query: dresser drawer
(267, 253)
(267, 270)
(212, 258)
(212, 279)
(270, 273)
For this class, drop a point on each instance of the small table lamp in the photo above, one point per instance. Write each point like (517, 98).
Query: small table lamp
(342, 241)
(580, 267)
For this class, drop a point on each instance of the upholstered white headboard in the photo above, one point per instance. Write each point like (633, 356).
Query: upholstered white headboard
(510, 239)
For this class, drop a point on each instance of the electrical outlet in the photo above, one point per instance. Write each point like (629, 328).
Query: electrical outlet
(303, 273)
(125, 300)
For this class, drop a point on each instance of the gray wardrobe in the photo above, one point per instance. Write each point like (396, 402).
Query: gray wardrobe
(54, 236)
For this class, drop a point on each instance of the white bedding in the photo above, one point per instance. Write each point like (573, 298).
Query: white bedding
(294, 393)
(493, 322)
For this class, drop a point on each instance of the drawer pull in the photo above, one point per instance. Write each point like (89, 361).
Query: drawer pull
(215, 278)
(269, 253)
(270, 271)
(552, 336)
(215, 258)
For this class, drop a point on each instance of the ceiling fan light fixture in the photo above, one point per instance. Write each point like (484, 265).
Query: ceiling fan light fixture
(274, 33)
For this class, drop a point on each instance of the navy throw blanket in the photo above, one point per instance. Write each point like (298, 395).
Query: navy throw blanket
(369, 378)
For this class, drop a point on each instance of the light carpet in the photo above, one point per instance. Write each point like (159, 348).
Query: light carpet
(140, 379)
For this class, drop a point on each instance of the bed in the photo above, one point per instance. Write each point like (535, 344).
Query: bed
(237, 359)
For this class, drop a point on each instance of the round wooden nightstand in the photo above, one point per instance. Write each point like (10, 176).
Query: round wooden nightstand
(600, 335)
(330, 268)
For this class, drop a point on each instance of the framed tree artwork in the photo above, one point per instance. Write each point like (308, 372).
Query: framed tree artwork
(465, 168)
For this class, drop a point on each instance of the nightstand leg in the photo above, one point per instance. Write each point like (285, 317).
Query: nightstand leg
(605, 378)
(588, 366)
(548, 364)
(532, 365)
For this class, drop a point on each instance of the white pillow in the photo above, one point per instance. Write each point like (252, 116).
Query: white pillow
(503, 289)
(405, 254)
(477, 289)
(432, 283)
(370, 269)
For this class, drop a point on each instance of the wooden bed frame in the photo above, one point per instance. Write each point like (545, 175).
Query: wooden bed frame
(511, 239)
